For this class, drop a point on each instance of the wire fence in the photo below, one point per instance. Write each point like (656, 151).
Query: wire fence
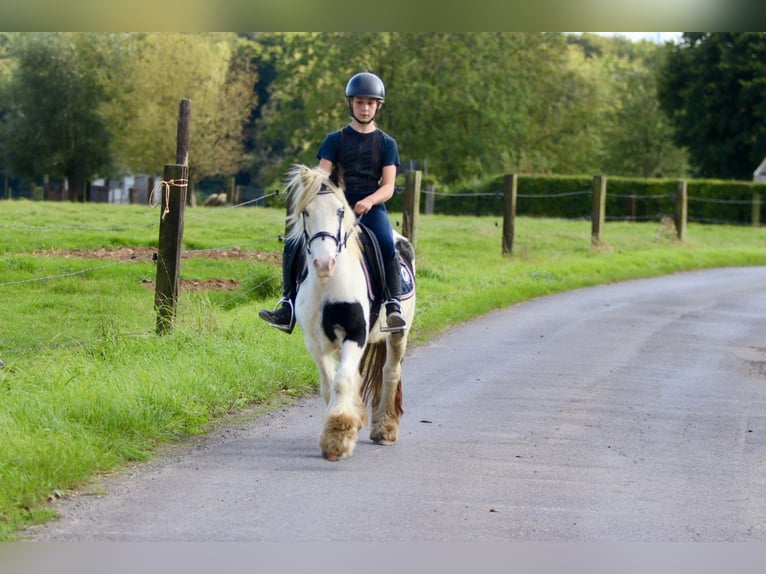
(199, 215)
(624, 204)
(621, 207)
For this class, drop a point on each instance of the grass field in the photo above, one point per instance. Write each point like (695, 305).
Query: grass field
(87, 385)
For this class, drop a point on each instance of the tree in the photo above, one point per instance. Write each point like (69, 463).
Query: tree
(51, 125)
(474, 104)
(638, 133)
(713, 87)
(306, 97)
(470, 104)
(161, 69)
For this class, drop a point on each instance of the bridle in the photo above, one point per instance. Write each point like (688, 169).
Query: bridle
(340, 239)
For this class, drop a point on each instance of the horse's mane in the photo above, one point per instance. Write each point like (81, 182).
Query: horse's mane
(302, 185)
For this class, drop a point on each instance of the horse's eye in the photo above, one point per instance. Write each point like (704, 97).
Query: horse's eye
(305, 213)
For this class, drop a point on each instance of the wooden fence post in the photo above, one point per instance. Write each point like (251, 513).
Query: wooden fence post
(172, 204)
(174, 187)
(510, 185)
(231, 191)
(411, 206)
(681, 209)
(430, 199)
(756, 213)
(598, 217)
(182, 144)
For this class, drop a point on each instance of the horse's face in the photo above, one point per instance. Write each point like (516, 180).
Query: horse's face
(324, 233)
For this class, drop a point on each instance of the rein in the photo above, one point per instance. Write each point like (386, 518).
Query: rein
(340, 239)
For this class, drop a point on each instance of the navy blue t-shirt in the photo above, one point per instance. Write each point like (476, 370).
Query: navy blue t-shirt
(361, 157)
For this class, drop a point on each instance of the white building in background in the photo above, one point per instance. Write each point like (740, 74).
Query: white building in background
(760, 173)
(128, 189)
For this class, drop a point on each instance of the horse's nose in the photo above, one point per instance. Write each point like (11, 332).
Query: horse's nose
(324, 265)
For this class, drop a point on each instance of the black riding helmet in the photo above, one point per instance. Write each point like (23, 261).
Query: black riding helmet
(365, 85)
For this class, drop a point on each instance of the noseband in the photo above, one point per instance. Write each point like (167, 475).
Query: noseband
(339, 238)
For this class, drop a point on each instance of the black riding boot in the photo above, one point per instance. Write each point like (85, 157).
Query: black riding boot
(395, 320)
(283, 315)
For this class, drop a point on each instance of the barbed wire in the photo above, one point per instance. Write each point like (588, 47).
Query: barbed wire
(656, 217)
(136, 226)
(80, 227)
(69, 274)
(70, 345)
(228, 247)
(722, 201)
(649, 196)
(223, 208)
(554, 195)
(244, 293)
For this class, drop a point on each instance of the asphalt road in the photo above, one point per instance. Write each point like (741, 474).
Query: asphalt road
(628, 412)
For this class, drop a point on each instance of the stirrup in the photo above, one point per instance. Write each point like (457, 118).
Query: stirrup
(269, 316)
(395, 322)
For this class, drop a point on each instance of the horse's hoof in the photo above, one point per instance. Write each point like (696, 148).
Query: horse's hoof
(339, 437)
(385, 439)
(384, 442)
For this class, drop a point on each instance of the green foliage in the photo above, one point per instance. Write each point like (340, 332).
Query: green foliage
(52, 124)
(639, 133)
(83, 105)
(461, 105)
(467, 104)
(712, 86)
(208, 69)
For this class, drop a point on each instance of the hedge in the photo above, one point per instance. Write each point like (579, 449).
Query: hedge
(570, 197)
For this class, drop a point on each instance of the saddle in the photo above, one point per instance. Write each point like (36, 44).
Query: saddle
(372, 265)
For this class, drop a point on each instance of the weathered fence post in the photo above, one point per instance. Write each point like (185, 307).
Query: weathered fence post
(598, 217)
(172, 204)
(182, 143)
(174, 188)
(756, 213)
(681, 213)
(510, 185)
(430, 199)
(411, 206)
(231, 191)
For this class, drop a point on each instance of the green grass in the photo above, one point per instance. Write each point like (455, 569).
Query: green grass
(87, 386)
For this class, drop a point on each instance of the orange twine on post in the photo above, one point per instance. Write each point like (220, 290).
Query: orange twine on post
(166, 185)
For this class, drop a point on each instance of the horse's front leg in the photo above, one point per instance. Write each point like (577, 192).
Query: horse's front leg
(326, 364)
(345, 414)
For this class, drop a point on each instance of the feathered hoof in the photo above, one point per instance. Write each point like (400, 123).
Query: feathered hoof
(339, 437)
(384, 434)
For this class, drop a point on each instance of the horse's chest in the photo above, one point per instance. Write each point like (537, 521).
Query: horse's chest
(344, 321)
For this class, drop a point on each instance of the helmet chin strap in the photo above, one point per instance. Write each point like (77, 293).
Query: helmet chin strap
(360, 121)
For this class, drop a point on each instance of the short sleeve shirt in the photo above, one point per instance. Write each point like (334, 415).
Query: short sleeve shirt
(362, 157)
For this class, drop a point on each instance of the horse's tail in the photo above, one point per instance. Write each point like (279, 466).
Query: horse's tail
(371, 369)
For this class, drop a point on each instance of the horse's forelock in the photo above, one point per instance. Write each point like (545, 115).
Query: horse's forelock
(303, 185)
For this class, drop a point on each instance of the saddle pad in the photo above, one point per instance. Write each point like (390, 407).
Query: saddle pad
(375, 290)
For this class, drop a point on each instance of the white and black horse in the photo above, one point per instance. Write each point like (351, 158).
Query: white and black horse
(341, 321)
